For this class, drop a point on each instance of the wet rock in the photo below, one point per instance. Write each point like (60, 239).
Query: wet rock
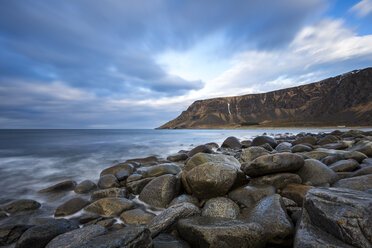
(316, 173)
(232, 143)
(114, 169)
(251, 153)
(201, 148)
(122, 175)
(184, 198)
(170, 216)
(11, 233)
(108, 181)
(136, 187)
(71, 206)
(76, 237)
(160, 191)
(356, 183)
(222, 233)
(85, 187)
(344, 165)
(60, 187)
(305, 140)
(267, 147)
(134, 177)
(213, 145)
(271, 215)
(136, 217)
(21, 205)
(327, 140)
(202, 158)
(363, 171)
(164, 240)
(148, 161)
(85, 218)
(111, 192)
(336, 146)
(221, 207)
(3, 215)
(367, 162)
(364, 147)
(41, 235)
(110, 206)
(159, 170)
(131, 236)
(296, 192)
(273, 163)
(249, 196)
(301, 148)
(177, 157)
(278, 180)
(284, 147)
(102, 221)
(333, 158)
(260, 140)
(358, 156)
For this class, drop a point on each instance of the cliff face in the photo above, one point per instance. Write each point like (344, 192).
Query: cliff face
(342, 100)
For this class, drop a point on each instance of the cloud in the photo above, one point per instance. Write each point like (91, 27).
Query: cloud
(363, 8)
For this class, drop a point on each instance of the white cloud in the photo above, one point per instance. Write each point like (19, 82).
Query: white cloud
(362, 8)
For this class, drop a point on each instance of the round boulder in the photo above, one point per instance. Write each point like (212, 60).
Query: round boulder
(316, 173)
(110, 206)
(85, 187)
(108, 181)
(232, 143)
(221, 207)
(261, 140)
(71, 206)
(21, 205)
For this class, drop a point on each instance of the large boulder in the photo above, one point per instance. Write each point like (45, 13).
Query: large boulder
(60, 187)
(71, 206)
(159, 170)
(356, 183)
(200, 149)
(11, 233)
(249, 196)
(221, 207)
(305, 140)
(108, 181)
(363, 147)
(278, 180)
(315, 173)
(273, 163)
(177, 157)
(251, 153)
(170, 216)
(346, 165)
(184, 198)
(21, 205)
(220, 233)
(85, 187)
(111, 192)
(363, 171)
(202, 158)
(261, 140)
(136, 217)
(137, 186)
(110, 206)
(296, 192)
(283, 147)
(327, 140)
(160, 191)
(301, 148)
(114, 169)
(232, 142)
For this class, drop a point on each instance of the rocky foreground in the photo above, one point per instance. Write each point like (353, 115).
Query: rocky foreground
(309, 190)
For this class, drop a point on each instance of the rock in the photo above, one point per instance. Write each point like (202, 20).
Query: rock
(367, 162)
(71, 206)
(60, 187)
(356, 183)
(102, 221)
(201, 148)
(345, 214)
(363, 147)
(177, 157)
(358, 156)
(278, 180)
(316, 173)
(333, 158)
(301, 148)
(110, 206)
(184, 198)
(76, 237)
(108, 181)
(136, 217)
(273, 163)
(111, 192)
(21, 205)
(245, 143)
(136, 187)
(164, 240)
(284, 147)
(305, 140)
(252, 153)
(318, 154)
(11, 233)
(160, 191)
(39, 236)
(288, 202)
(344, 165)
(232, 143)
(114, 169)
(3, 215)
(122, 175)
(85, 187)
(131, 236)
(249, 196)
(342, 175)
(202, 158)
(336, 146)
(327, 140)
(221, 207)
(134, 177)
(296, 192)
(271, 215)
(261, 140)
(363, 171)
(267, 147)
(211, 179)
(170, 216)
(159, 170)
(220, 233)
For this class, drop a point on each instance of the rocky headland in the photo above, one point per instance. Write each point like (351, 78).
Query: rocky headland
(307, 190)
(343, 100)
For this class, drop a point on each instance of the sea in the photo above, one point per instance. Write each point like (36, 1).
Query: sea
(31, 160)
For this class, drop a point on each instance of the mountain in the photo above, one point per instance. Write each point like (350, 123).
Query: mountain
(342, 100)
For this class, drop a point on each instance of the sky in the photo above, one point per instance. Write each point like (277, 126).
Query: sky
(139, 63)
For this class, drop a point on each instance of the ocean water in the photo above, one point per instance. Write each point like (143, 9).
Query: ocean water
(31, 160)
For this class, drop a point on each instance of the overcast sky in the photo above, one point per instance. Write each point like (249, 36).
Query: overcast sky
(140, 63)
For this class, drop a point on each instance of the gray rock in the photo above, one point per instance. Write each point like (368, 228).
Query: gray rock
(112, 192)
(85, 187)
(356, 183)
(316, 173)
(232, 142)
(148, 161)
(367, 162)
(184, 198)
(220, 233)
(110, 206)
(305, 140)
(170, 216)
(333, 158)
(134, 177)
(278, 180)
(76, 237)
(296, 192)
(114, 169)
(273, 163)
(261, 140)
(358, 156)
(202, 158)
(164, 240)
(284, 147)
(363, 147)
(39, 236)
(160, 191)
(136, 217)
(3, 215)
(249, 196)
(177, 157)
(108, 181)
(159, 170)
(336, 146)
(252, 153)
(344, 165)
(221, 207)
(301, 148)
(201, 148)
(328, 139)
(136, 187)
(71, 206)
(21, 205)
(60, 187)
(11, 233)
(363, 171)
(122, 175)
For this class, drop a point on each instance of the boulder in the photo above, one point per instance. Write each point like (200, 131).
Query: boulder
(170, 216)
(134, 177)
(148, 161)
(278, 180)
(71, 206)
(60, 187)
(202, 158)
(21, 205)
(296, 192)
(11, 233)
(85, 187)
(261, 140)
(327, 140)
(177, 157)
(111, 192)
(273, 163)
(220, 233)
(363, 147)
(305, 140)
(165, 240)
(336, 146)
(358, 156)
(249, 196)
(232, 143)
(76, 237)
(136, 217)
(160, 191)
(114, 169)
(221, 207)
(184, 198)
(344, 165)
(356, 183)
(315, 173)
(122, 175)
(159, 170)
(3, 215)
(284, 147)
(110, 206)
(252, 153)
(363, 171)
(333, 158)
(201, 148)
(108, 181)
(301, 148)
(136, 187)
